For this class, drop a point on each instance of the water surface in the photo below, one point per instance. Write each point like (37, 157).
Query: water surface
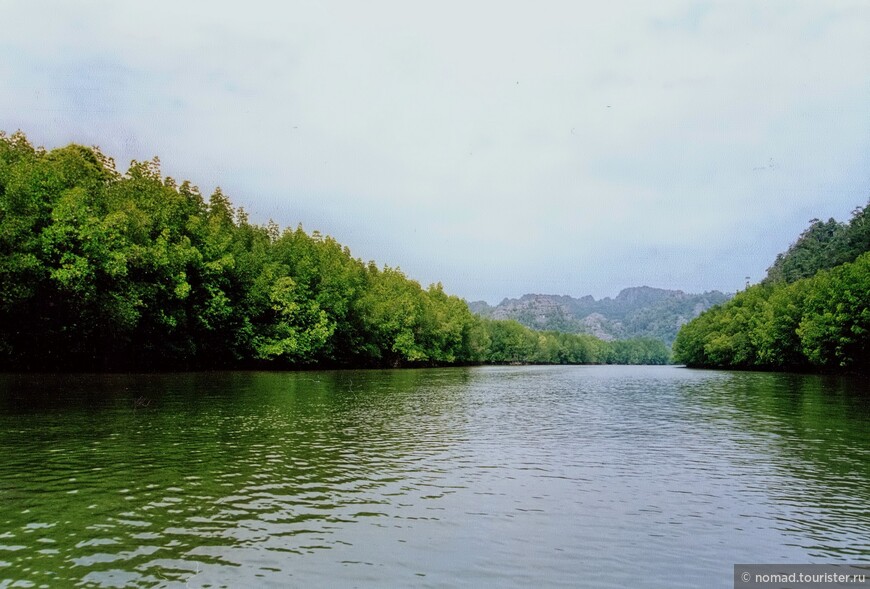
(468, 477)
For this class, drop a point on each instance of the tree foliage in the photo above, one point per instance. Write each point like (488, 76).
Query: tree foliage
(812, 312)
(107, 270)
(823, 245)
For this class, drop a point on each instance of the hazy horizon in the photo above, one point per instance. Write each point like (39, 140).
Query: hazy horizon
(499, 149)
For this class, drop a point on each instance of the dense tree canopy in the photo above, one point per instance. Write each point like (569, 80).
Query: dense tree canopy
(811, 312)
(822, 246)
(104, 270)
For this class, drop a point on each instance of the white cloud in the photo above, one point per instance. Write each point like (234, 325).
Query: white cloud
(498, 147)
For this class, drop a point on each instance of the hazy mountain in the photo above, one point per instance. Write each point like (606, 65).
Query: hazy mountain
(640, 311)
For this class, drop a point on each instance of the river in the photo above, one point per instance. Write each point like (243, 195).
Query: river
(576, 476)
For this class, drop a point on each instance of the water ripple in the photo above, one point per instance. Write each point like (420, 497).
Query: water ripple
(580, 476)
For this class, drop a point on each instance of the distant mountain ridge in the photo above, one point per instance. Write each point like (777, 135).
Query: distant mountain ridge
(640, 311)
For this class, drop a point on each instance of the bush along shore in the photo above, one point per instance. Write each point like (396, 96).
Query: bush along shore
(811, 312)
(103, 270)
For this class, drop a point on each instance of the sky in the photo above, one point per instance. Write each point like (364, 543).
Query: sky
(500, 148)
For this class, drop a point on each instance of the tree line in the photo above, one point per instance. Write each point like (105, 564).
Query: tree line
(103, 270)
(811, 312)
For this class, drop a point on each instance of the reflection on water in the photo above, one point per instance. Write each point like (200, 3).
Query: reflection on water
(562, 476)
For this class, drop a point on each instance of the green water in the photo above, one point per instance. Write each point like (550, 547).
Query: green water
(500, 477)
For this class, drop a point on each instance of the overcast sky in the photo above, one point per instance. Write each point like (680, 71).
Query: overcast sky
(498, 147)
